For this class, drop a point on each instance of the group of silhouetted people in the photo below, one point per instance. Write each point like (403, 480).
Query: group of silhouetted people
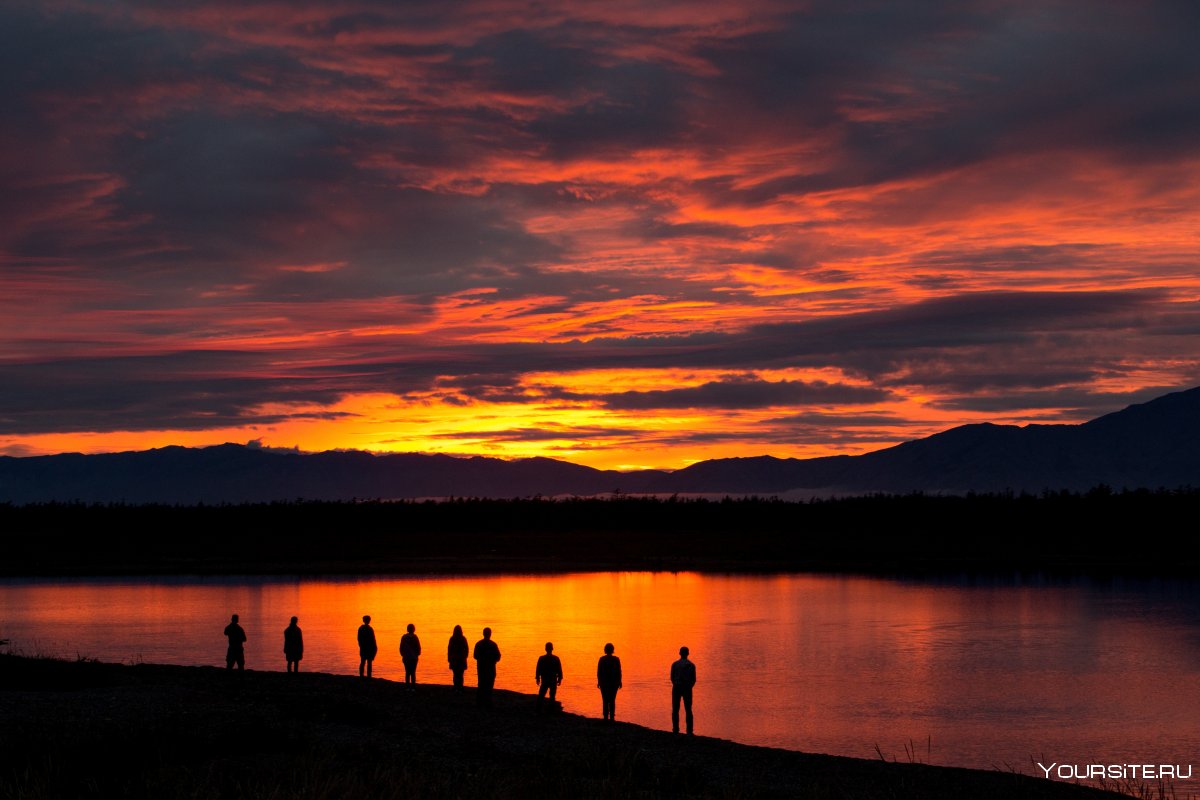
(548, 674)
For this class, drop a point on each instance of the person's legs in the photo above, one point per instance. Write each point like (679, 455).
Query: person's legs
(362, 666)
(484, 693)
(676, 696)
(370, 661)
(458, 679)
(687, 705)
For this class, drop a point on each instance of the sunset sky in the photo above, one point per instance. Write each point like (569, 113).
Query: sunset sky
(625, 234)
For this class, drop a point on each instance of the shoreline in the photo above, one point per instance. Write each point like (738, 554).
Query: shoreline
(88, 728)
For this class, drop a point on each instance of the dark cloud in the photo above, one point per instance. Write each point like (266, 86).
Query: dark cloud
(565, 432)
(1029, 257)
(826, 420)
(188, 391)
(924, 88)
(746, 392)
(524, 62)
(938, 341)
(1075, 402)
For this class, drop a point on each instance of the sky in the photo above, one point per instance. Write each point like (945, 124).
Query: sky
(624, 234)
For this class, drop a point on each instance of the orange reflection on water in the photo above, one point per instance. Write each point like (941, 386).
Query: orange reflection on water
(988, 673)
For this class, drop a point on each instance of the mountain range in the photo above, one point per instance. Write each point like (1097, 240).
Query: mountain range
(1151, 445)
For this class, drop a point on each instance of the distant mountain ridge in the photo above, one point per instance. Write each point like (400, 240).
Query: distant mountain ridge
(1154, 444)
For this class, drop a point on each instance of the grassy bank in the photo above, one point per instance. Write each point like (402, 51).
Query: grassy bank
(1126, 533)
(85, 729)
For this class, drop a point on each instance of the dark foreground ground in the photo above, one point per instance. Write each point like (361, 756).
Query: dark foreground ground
(85, 729)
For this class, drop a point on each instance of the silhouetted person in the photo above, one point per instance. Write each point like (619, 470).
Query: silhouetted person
(293, 645)
(683, 678)
(608, 679)
(486, 655)
(236, 654)
(410, 651)
(367, 648)
(456, 654)
(548, 674)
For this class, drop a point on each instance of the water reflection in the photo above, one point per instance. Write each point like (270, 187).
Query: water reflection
(989, 674)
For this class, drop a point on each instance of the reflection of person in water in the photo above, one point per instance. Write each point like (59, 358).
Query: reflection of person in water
(236, 654)
(608, 679)
(457, 651)
(548, 675)
(683, 678)
(293, 645)
(410, 651)
(486, 654)
(367, 648)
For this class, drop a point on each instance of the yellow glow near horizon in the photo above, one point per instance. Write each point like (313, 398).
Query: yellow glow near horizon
(583, 432)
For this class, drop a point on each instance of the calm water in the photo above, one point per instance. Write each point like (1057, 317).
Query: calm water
(983, 675)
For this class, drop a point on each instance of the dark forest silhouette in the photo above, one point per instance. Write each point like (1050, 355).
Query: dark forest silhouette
(1056, 531)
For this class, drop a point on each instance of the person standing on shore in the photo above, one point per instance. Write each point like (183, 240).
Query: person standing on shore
(548, 675)
(293, 645)
(486, 654)
(367, 647)
(683, 678)
(236, 654)
(457, 651)
(608, 680)
(410, 651)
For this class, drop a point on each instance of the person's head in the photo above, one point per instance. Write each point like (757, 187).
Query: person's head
(366, 619)
(549, 647)
(295, 620)
(608, 649)
(458, 630)
(412, 628)
(487, 633)
(683, 651)
(235, 617)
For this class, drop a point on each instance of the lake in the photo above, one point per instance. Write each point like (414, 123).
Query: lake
(967, 673)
